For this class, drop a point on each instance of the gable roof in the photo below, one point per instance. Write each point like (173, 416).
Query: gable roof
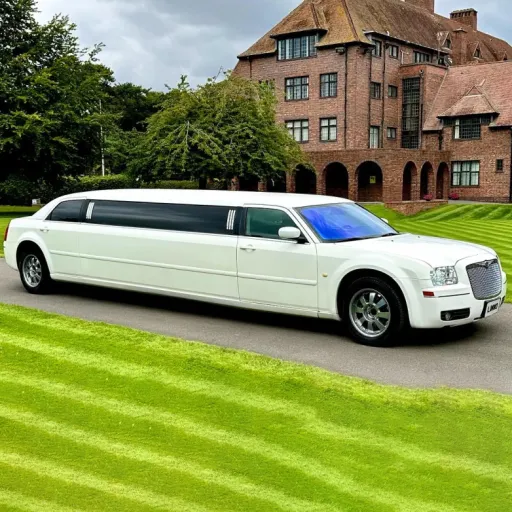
(350, 21)
(487, 93)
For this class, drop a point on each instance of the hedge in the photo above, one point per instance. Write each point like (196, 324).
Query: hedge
(19, 192)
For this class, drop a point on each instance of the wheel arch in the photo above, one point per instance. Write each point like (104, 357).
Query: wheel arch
(29, 244)
(353, 275)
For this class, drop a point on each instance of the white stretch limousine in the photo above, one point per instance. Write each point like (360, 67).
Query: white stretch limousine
(306, 255)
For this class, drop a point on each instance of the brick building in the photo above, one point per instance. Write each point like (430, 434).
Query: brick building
(391, 100)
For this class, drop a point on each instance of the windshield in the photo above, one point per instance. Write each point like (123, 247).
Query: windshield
(344, 222)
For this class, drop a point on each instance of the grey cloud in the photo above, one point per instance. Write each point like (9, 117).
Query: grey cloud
(153, 42)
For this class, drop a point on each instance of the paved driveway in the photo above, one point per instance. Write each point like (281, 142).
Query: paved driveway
(475, 357)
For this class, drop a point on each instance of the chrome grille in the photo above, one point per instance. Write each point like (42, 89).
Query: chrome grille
(485, 279)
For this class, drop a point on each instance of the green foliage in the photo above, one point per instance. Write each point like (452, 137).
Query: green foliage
(220, 130)
(173, 184)
(72, 185)
(50, 92)
(99, 417)
(19, 191)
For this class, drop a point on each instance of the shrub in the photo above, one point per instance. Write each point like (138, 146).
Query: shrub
(90, 183)
(428, 197)
(16, 191)
(172, 184)
(454, 196)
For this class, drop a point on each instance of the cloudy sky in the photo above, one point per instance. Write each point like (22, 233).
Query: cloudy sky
(153, 42)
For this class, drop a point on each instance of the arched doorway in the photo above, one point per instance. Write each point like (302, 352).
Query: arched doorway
(305, 180)
(277, 183)
(336, 180)
(369, 183)
(249, 183)
(443, 181)
(427, 179)
(409, 180)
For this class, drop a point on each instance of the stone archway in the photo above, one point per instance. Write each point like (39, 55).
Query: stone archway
(409, 182)
(369, 183)
(443, 181)
(305, 180)
(336, 180)
(426, 180)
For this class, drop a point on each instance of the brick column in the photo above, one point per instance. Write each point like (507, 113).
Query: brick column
(290, 183)
(432, 183)
(352, 185)
(262, 186)
(321, 188)
(234, 184)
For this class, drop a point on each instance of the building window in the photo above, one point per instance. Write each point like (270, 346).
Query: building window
(394, 51)
(420, 57)
(411, 113)
(376, 90)
(374, 137)
(377, 49)
(328, 129)
(448, 43)
(468, 128)
(392, 133)
(392, 91)
(329, 85)
(499, 165)
(466, 174)
(299, 130)
(297, 88)
(297, 47)
(478, 53)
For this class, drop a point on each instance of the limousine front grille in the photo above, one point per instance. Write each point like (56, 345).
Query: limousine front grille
(485, 278)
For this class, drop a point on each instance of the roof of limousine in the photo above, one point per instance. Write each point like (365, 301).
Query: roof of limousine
(210, 197)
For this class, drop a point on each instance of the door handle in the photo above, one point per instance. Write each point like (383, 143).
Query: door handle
(44, 230)
(248, 248)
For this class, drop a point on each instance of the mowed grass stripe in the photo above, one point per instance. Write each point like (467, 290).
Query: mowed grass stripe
(20, 501)
(83, 479)
(233, 483)
(310, 467)
(308, 419)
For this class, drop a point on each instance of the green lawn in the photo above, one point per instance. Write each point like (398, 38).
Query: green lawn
(103, 418)
(489, 225)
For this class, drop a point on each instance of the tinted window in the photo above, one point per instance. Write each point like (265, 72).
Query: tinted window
(67, 211)
(173, 217)
(266, 223)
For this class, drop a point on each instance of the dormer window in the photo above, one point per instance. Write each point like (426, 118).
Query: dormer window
(468, 128)
(297, 47)
(448, 43)
(478, 53)
(377, 49)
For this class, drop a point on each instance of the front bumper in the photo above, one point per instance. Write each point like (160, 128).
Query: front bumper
(429, 303)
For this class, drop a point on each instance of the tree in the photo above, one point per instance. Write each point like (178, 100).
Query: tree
(50, 94)
(220, 130)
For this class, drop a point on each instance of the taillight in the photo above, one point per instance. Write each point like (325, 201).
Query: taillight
(6, 232)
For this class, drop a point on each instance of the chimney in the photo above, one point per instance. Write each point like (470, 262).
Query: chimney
(466, 17)
(428, 5)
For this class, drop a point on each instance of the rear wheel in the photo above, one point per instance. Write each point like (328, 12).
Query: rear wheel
(34, 272)
(375, 313)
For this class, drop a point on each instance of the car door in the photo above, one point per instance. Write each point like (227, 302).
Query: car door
(273, 271)
(60, 234)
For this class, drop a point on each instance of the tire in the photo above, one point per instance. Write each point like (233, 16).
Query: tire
(34, 272)
(375, 313)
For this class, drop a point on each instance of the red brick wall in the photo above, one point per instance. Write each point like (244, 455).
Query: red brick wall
(494, 145)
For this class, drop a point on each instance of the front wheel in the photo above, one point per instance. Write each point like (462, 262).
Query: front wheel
(375, 313)
(34, 272)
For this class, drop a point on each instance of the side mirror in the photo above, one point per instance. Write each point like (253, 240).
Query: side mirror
(290, 233)
(385, 220)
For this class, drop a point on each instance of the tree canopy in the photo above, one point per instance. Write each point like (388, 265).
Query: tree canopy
(223, 129)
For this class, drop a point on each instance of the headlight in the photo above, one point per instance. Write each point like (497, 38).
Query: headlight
(444, 276)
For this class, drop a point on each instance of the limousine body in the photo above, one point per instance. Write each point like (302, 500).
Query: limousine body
(306, 255)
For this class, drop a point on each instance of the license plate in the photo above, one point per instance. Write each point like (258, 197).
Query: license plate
(492, 307)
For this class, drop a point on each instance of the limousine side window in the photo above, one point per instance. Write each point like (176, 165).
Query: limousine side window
(173, 217)
(67, 211)
(266, 223)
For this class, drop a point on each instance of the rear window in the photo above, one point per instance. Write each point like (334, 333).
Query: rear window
(67, 211)
(172, 217)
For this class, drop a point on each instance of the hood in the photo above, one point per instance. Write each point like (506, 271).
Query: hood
(436, 252)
